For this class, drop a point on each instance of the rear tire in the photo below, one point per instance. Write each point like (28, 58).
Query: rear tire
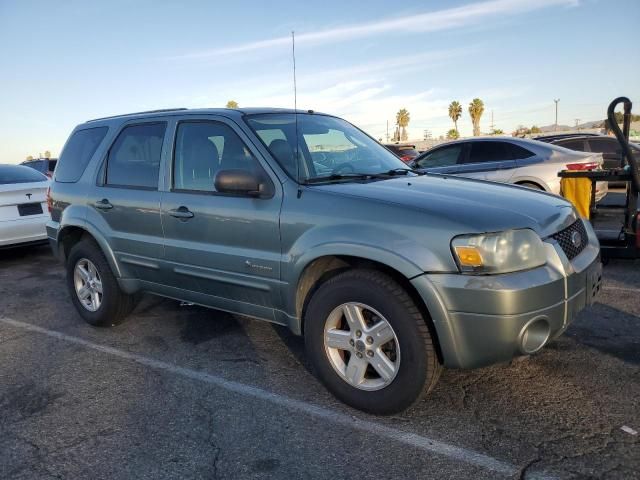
(410, 367)
(97, 297)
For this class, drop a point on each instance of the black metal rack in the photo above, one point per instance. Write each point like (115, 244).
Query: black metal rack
(627, 243)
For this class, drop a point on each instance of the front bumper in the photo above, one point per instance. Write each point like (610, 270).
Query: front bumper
(481, 320)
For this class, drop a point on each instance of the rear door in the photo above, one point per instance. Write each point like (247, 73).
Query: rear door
(225, 248)
(125, 202)
(488, 160)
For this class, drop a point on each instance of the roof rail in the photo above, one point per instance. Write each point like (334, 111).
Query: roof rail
(161, 110)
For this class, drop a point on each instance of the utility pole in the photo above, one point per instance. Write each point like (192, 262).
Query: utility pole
(556, 124)
(492, 125)
(577, 123)
(387, 131)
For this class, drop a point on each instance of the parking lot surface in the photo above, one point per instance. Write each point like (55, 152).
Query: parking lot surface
(185, 392)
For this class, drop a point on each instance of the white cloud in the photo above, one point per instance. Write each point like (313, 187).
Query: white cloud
(457, 17)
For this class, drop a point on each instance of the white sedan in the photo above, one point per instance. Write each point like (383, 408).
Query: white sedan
(23, 206)
(519, 161)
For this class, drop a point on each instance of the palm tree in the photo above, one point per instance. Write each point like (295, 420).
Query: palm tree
(455, 112)
(476, 109)
(453, 134)
(402, 120)
(232, 104)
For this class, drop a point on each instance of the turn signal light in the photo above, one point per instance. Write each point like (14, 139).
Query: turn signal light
(469, 256)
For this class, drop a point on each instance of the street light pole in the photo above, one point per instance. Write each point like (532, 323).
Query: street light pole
(556, 124)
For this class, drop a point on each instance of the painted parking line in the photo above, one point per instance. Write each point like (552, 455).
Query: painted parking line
(417, 441)
(620, 289)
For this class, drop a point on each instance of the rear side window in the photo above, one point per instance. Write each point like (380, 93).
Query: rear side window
(10, 174)
(77, 152)
(488, 152)
(516, 152)
(134, 158)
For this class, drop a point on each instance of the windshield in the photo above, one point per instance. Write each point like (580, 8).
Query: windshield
(19, 174)
(328, 147)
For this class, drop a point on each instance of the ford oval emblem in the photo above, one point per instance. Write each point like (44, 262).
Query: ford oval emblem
(576, 239)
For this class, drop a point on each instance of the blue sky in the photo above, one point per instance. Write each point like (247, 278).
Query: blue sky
(65, 62)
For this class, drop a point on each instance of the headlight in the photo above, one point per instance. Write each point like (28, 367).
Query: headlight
(500, 252)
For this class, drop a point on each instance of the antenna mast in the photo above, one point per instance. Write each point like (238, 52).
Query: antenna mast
(295, 110)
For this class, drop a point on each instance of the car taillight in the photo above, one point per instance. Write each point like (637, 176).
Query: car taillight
(49, 200)
(406, 158)
(583, 166)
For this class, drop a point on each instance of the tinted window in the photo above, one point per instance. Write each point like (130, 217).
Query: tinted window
(605, 145)
(19, 174)
(488, 152)
(516, 152)
(442, 157)
(313, 147)
(134, 158)
(77, 152)
(203, 149)
(52, 165)
(573, 145)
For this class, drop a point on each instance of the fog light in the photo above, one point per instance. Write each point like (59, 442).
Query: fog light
(534, 335)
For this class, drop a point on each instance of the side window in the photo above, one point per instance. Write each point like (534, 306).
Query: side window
(203, 149)
(577, 145)
(134, 158)
(487, 152)
(443, 157)
(604, 145)
(77, 152)
(516, 152)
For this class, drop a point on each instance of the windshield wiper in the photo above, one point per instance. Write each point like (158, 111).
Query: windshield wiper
(363, 176)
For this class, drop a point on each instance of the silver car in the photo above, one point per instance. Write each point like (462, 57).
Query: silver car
(519, 161)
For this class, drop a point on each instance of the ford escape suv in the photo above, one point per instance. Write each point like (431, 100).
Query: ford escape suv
(301, 219)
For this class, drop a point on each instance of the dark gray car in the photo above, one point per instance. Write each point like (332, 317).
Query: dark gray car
(301, 219)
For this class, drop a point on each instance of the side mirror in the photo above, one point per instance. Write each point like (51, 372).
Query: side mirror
(239, 182)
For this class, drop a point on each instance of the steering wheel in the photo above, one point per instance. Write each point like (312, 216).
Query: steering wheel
(345, 167)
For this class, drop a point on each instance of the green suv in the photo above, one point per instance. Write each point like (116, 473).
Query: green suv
(301, 219)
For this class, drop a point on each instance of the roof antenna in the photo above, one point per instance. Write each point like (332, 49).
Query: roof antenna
(295, 110)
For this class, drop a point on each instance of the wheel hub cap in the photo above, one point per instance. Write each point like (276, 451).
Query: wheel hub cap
(361, 346)
(88, 284)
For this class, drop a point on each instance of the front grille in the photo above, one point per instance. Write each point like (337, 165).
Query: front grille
(568, 239)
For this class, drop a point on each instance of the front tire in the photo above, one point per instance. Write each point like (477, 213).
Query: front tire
(368, 342)
(93, 288)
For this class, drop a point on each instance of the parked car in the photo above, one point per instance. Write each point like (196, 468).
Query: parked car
(528, 163)
(23, 212)
(388, 274)
(43, 165)
(404, 152)
(609, 147)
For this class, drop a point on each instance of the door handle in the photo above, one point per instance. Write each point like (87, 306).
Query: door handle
(181, 212)
(103, 204)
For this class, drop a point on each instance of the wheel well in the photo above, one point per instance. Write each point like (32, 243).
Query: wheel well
(324, 268)
(529, 182)
(68, 238)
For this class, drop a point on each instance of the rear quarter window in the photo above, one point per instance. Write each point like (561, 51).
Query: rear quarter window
(77, 152)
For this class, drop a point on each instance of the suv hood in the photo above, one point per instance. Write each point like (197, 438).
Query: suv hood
(476, 206)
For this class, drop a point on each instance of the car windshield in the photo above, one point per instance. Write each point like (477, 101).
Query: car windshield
(10, 174)
(329, 149)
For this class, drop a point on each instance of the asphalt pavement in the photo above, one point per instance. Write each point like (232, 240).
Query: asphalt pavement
(186, 392)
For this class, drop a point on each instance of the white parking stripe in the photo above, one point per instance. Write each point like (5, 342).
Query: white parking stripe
(412, 439)
(620, 289)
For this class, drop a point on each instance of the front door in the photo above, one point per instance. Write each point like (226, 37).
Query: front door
(223, 248)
